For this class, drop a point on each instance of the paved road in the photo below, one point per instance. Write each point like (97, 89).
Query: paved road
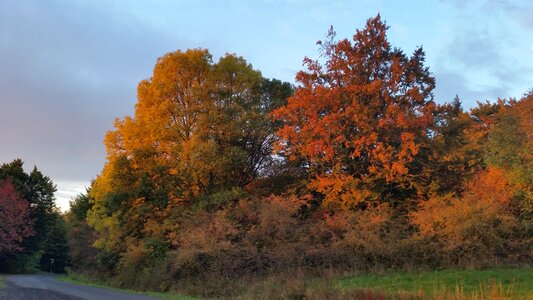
(46, 287)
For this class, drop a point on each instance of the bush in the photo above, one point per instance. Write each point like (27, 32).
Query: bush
(24, 263)
(218, 252)
(471, 230)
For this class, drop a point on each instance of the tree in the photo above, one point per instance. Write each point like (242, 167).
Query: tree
(54, 246)
(201, 132)
(360, 119)
(453, 154)
(509, 146)
(206, 124)
(16, 224)
(80, 235)
(48, 240)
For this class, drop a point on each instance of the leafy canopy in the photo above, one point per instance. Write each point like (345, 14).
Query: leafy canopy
(360, 119)
(200, 128)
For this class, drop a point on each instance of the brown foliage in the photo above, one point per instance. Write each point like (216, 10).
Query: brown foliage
(81, 238)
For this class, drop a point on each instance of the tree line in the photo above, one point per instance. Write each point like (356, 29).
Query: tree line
(222, 174)
(32, 230)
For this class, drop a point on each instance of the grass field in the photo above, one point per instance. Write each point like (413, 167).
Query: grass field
(495, 283)
(2, 286)
(506, 283)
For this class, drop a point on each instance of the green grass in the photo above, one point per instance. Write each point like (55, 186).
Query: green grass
(79, 279)
(500, 283)
(512, 282)
(3, 286)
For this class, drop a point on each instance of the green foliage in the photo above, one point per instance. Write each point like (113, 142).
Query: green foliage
(49, 240)
(82, 254)
(509, 147)
(24, 263)
(54, 246)
(453, 157)
(79, 206)
(506, 142)
(220, 200)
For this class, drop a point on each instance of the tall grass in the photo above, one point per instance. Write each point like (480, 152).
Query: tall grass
(2, 281)
(498, 283)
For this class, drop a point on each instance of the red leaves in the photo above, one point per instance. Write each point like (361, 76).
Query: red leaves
(362, 116)
(15, 222)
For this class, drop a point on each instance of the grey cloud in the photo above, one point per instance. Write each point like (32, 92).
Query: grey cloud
(474, 50)
(480, 61)
(480, 52)
(516, 11)
(68, 69)
(450, 84)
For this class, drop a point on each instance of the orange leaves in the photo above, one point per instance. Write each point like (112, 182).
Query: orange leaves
(359, 118)
(490, 186)
(342, 191)
(368, 144)
(205, 233)
(409, 147)
(476, 222)
(374, 87)
(392, 162)
(200, 128)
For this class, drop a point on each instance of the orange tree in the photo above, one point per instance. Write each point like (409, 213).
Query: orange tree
(360, 119)
(200, 133)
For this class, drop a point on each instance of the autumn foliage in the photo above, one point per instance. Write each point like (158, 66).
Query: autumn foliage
(473, 229)
(16, 224)
(360, 119)
(223, 175)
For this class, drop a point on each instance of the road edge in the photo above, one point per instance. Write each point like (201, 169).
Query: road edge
(3, 286)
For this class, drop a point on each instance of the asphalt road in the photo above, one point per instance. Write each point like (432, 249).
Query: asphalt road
(46, 287)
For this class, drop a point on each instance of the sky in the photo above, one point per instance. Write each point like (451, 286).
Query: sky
(68, 68)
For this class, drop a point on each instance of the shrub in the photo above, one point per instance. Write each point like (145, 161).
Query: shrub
(474, 228)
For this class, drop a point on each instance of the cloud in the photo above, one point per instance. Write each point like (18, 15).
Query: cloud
(483, 56)
(67, 190)
(67, 72)
(515, 11)
(450, 84)
(475, 50)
